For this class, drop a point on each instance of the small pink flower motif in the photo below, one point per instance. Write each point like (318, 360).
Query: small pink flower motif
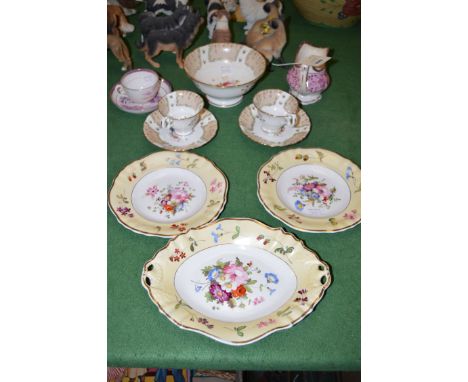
(236, 274)
(259, 300)
(125, 211)
(352, 215)
(152, 191)
(263, 324)
(215, 186)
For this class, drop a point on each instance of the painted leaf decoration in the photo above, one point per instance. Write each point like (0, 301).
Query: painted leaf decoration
(236, 235)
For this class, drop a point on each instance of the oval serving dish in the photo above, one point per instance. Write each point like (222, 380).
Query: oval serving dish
(235, 280)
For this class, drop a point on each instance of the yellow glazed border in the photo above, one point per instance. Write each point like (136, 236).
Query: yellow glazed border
(269, 173)
(120, 193)
(312, 275)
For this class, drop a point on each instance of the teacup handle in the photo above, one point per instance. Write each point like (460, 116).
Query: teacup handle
(166, 122)
(292, 120)
(254, 110)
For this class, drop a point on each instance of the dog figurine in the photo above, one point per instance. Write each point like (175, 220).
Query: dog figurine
(166, 7)
(120, 50)
(117, 24)
(268, 36)
(149, 21)
(229, 5)
(172, 39)
(116, 19)
(128, 6)
(218, 18)
(255, 10)
(220, 27)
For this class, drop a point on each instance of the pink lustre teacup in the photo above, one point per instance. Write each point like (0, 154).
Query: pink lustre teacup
(140, 85)
(180, 111)
(275, 109)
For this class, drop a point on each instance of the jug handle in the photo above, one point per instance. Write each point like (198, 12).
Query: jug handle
(303, 73)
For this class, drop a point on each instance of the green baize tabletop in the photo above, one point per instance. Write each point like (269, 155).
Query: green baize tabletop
(329, 338)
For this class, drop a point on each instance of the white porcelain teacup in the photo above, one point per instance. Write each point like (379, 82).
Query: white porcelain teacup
(275, 109)
(180, 111)
(140, 85)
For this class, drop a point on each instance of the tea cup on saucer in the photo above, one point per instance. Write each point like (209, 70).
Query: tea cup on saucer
(140, 85)
(180, 111)
(275, 109)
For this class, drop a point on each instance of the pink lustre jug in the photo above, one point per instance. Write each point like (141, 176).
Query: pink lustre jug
(307, 82)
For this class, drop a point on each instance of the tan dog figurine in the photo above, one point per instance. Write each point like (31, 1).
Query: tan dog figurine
(268, 36)
(116, 24)
(117, 20)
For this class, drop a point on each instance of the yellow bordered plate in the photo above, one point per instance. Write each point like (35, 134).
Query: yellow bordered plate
(235, 280)
(166, 193)
(311, 190)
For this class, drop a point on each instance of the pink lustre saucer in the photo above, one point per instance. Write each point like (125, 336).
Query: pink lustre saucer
(121, 100)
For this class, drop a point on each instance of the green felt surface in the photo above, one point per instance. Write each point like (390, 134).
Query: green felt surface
(328, 339)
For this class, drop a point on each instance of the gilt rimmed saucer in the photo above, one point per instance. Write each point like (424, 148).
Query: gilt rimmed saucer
(166, 193)
(311, 190)
(251, 127)
(124, 103)
(204, 131)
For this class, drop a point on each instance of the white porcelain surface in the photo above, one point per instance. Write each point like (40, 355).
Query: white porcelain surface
(180, 111)
(255, 129)
(203, 132)
(140, 85)
(306, 99)
(192, 285)
(154, 189)
(225, 72)
(276, 109)
(271, 120)
(120, 99)
(310, 203)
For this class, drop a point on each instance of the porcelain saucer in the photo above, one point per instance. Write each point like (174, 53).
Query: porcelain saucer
(251, 127)
(121, 100)
(204, 131)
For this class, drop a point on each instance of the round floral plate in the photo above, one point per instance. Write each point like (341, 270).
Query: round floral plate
(250, 126)
(204, 131)
(311, 190)
(166, 193)
(235, 280)
(121, 100)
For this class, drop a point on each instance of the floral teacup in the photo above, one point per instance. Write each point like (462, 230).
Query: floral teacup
(275, 109)
(140, 85)
(180, 111)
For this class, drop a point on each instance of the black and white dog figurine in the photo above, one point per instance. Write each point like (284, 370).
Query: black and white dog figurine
(166, 7)
(212, 8)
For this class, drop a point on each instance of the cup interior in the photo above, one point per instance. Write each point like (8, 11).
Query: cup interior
(139, 79)
(219, 65)
(182, 104)
(276, 103)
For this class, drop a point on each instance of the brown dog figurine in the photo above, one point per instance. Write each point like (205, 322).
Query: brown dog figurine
(170, 36)
(120, 50)
(116, 19)
(116, 24)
